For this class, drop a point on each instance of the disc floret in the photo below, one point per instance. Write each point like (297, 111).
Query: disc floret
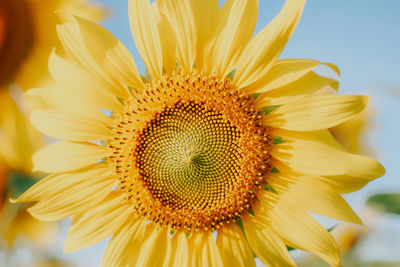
(190, 151)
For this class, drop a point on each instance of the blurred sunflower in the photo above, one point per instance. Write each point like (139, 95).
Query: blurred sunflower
(221, 139)
(27, 36)
(18, 141)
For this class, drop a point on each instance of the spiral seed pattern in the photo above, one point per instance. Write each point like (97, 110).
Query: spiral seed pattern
(187, 155)
(191, 152)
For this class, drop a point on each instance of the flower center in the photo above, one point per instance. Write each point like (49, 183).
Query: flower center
(16, 37)
(191, 152)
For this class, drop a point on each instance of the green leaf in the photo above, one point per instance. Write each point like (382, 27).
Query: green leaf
(251, 212)
(278, 140)
(256, 95)
(19, 182)
(269, 109)
(388, 202)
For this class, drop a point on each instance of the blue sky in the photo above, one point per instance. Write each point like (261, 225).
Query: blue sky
(363, 39)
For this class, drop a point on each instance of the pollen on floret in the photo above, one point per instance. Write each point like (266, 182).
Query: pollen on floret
(190, 151)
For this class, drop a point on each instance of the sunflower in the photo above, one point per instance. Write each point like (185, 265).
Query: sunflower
(216, 157)
(27, 36)
(18, 141)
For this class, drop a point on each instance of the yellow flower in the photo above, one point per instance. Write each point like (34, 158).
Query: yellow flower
(222, 140)
(18, 142)
(27, 36)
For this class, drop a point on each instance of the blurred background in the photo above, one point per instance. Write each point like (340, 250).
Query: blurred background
(363, 39)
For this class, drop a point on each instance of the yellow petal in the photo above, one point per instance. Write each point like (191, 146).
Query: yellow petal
(68, 126)
(235, 28)
(180, 17)
(125, 242)
(179, 250)
(156, 250)
(54, 184)
(144, 29)
(97, 223)
(316, 112)
(112, 54)
(167, 40)
(78, 50)
(53, 97)
(340, 183)
(233, 247)
(203, 250)
(93, 11)
(310, 154)
(345, 183)
(77, 198)
(284, 72)
(205, 14)
(300, 230)
(266, 243)
(321, 136)
(306, 85)
(79, 84)
(18, 138)
(68, 156)
(313, 195)
(262, 52)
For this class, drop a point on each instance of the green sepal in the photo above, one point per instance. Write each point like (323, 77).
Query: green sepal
(278, 140)
(268, 187)
(240, 224)
(143, 80)
(231, 74)
(274, 170)
(251, 211)
(331, 229)
(269, 109)
(121, 100)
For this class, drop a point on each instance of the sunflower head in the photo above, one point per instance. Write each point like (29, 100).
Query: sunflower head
(222, 138)
(185, 158)
(27, 35)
